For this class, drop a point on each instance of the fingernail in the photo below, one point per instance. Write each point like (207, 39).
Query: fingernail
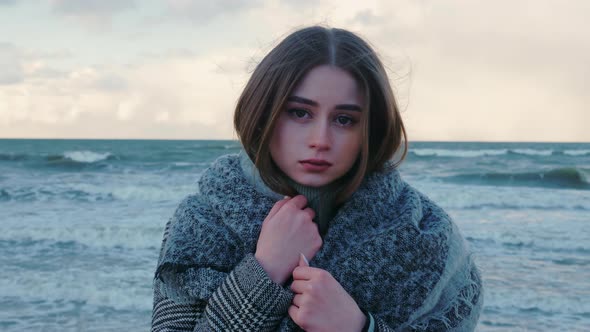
(286, 197)
(304, 259)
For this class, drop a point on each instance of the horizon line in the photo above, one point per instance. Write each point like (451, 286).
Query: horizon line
(236, 140)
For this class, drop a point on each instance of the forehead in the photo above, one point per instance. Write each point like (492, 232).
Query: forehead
(329, 84)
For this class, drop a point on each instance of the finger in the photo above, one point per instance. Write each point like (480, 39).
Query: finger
(307, 272)
(299, 201)
(302, 273)
(278, 205)
(293, 312)
(299, 286)
(297, 300)
(310, 212)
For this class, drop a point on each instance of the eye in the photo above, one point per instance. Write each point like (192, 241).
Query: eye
(298, 113)
(345, 121)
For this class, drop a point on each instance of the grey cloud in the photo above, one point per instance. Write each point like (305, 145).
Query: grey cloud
(89, 125)
(170, 53)
(366, 17)
(91, 7)
(7, 2)
(11, 71)
(110, 83)
(47, 72)
(95, 15)
(13, 58)
(540, 41)
(8, 76)
(301, 3)
(48, 55)
(200, 12)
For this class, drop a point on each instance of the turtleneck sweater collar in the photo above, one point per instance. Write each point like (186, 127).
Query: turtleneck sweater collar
(322, 200)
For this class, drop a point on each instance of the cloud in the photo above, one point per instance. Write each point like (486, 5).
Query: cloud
(92, 13)
(91, 7)
(173, 97)
(479, 71)
(201, 12)
(110, 82)
(18, 64)
(366, 17)
(7, 2)
(11, 71)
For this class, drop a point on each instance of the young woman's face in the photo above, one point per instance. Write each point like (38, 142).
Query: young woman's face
(318, 136)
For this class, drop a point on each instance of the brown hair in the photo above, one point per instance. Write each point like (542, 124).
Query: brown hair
(277, 75)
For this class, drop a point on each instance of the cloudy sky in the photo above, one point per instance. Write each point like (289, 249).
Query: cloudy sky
(173, 69)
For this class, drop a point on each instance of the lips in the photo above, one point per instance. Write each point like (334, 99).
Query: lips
(317, 162)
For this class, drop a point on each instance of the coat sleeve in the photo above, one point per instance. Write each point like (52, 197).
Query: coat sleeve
(246, 300)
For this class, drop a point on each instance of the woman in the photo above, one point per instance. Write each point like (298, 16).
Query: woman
(311, 227)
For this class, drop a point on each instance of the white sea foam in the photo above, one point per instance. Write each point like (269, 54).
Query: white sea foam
(458, 153)
(86, 156)
(490, 152)
(97, 236)
(460, 196)
(182, 163)
(577, 152)
(136, 192)
(533, 152)
(94, 284)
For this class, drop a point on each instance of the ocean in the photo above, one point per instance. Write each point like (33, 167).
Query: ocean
(81, 223)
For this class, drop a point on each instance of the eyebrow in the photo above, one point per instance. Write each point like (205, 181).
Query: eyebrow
(344, 107)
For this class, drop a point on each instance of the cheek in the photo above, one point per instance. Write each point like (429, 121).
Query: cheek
(275, 140)
(279, 141)
(352, 142)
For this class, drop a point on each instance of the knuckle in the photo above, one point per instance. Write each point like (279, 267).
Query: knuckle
(324, 275)
(288, 204)
(317, 243)
(304, 317)
(315, 227)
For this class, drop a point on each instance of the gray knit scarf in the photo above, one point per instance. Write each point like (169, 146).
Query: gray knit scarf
(391, 248)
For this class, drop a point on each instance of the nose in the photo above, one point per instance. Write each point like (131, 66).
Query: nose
(319, 136)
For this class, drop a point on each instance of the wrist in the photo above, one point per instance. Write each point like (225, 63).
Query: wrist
(364, 321)
(275, 275)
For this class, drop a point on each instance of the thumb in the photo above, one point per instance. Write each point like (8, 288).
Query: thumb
(303, 260)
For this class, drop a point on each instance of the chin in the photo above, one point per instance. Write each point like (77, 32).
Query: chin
(312, 181)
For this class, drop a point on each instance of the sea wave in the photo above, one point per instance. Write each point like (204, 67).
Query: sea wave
(41, 194)
(577, 152)
(13, 156)
(79, 157)
(524, 243)
(82, 237)
(84, 157)
(461, 153)
(509, 206)
(564, 177)
(457, 153)
(84, 192)
(531, 152)
(95, 270)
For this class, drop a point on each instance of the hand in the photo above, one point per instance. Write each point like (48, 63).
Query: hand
(287, 231)
(320, 302)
